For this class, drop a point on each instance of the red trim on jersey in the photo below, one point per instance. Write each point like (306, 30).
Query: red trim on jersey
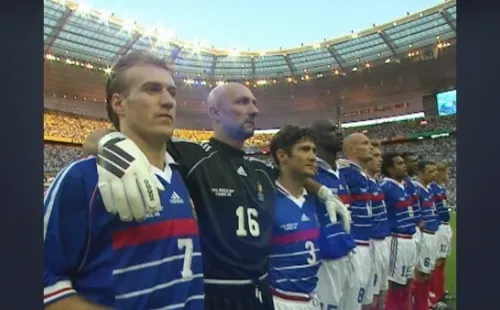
(402, 236)
(427, 204)
(57, 292)
(378, 197)
(404, 204)
(296, 237)
(345, 198)
(363, 197)
(154, 232)
(290, 297)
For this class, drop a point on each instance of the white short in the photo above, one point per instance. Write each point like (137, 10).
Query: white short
(379, 277)
(427, 253)
(335, 278)
(286, 304)
(403, 255)
(363, 263)
(444, 235)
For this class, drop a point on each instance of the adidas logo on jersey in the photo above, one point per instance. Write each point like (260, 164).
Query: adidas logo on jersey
(304, 218)
(241, 171)
(175, 198)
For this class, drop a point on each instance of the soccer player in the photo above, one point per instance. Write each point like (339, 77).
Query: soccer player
(295, 256)
(94, 260)
(400, 214)
(357, 149)
(443, 235)
(337, 274)
(428, 242)
(234, 201)
(380, 243)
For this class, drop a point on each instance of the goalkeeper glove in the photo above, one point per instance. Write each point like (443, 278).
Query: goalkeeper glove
(127, 184)
(335, 206)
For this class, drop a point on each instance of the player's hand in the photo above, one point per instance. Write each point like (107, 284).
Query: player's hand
(127, 184)
(335, 206)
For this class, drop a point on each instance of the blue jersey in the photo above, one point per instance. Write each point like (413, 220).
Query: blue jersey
(334, 241)
(399, 206)
(380, 223)
(440, 200)
(151, 264)
(411, 187)
(295, 256)
(359, 189)
(428, 212)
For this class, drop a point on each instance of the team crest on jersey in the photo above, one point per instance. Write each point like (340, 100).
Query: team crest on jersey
(289, 226)
(260, 194)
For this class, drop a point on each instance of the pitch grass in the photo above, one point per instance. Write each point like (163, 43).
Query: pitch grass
(451, 261)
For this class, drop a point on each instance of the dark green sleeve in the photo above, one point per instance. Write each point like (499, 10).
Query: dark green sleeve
(186, 153)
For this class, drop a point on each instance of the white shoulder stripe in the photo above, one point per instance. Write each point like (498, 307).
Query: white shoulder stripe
(52, 192)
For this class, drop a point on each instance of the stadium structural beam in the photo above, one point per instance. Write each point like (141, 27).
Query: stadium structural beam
(175, 54)
(388, 42)
(212, 68)
(124, 49)
(51, 38)
(336, 56)
(291, 66)
(253, 66)
(446, 16)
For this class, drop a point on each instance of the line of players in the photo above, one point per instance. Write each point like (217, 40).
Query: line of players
(85, 241)
(400, 227)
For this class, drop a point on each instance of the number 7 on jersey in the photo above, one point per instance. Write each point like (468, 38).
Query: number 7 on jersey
(248, 218)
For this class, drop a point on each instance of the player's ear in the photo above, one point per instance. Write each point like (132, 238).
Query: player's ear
(214, 113)
(281, 155)
(117, 104)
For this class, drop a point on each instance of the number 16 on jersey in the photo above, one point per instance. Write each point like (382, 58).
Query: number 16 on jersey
(247, 222)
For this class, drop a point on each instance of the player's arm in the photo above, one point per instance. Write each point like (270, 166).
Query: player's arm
(188, 154)
(332, 202)
(65, 235)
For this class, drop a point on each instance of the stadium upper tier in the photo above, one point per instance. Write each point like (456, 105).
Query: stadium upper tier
(73, 33)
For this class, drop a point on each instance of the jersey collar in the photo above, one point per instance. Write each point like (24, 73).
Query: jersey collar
(225, 148)
(324, 165)
(400, 185)
(166, 174)
(298, 201)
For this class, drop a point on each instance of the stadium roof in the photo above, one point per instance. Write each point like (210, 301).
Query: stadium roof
(77, 34)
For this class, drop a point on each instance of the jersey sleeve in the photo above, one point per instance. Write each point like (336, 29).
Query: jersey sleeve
(269, 169)
(186, 154)
(65, 233)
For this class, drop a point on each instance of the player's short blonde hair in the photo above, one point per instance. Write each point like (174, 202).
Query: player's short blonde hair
(442, 166)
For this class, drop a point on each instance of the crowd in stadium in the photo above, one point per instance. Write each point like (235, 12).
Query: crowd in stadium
(69, 127)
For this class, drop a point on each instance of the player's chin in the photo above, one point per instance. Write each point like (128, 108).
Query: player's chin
(164, 131)
(310, 171)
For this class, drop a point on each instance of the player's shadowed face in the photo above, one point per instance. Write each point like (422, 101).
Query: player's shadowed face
(398, 171)
(148, 107)
(412, 164)
(375, 164)
(330, 138)
(430, 173)
(237, 112)
(301, 160)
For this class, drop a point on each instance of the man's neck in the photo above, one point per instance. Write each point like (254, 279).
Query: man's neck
(371, 174)
(219, 135)
(292, 184)
(328, 158)
(356, 161)
(421, 181)
(152, 149)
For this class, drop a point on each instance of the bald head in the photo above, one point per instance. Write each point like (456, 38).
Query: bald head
(357, 147)
(232, 107)
(89, 146)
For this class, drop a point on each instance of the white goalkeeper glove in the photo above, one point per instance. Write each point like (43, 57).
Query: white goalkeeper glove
(127, 184)
(335, 206)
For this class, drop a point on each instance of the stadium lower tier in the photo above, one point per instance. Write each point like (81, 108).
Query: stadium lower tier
(56, 156)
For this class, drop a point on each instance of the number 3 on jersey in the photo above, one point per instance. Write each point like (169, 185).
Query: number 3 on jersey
(248, 218)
